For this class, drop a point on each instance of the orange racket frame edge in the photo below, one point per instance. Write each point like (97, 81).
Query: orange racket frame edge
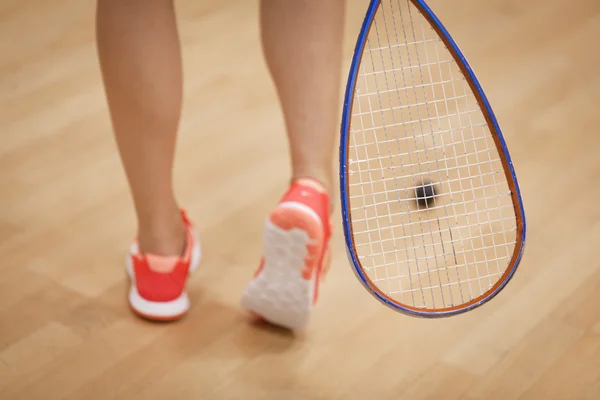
(498, 139)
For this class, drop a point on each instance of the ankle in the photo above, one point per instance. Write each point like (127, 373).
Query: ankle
(165, 237)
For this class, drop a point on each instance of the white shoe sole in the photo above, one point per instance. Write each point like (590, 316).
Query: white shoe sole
(280, 293)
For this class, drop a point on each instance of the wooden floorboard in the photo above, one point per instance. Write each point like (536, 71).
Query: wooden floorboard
(66, 219)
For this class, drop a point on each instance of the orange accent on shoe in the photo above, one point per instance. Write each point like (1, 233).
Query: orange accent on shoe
(162, 279)
(326, 263)
(309, 182)
(166, 264)
(312, 194)
(319, 202)
(157, 286)
(260, 267)
(256, 315)
(161, 264)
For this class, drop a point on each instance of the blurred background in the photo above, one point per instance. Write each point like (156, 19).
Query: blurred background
(66, 219)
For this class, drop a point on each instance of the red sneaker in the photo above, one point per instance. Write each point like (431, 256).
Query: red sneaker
(296, 256)
(158, 283)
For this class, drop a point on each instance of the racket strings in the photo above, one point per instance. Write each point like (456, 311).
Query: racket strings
(413, 132)
(428, 119)
(415, 117)
(394, 123)
(445, 159)
(420, 119)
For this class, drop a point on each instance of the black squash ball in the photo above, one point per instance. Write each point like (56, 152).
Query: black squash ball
(425, 194)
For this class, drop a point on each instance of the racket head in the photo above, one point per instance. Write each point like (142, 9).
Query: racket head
(354, 212)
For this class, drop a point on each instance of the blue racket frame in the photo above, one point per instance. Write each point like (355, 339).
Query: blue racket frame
(344, 140)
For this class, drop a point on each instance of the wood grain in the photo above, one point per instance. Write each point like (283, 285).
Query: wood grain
(66, 220)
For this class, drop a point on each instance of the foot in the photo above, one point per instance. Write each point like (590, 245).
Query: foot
(296, 248)
(158, 282)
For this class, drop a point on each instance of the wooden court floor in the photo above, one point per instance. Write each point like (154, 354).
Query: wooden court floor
(66, 220)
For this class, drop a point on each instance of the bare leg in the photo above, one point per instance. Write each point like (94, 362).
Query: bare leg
(302, 42)
(140, 58)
